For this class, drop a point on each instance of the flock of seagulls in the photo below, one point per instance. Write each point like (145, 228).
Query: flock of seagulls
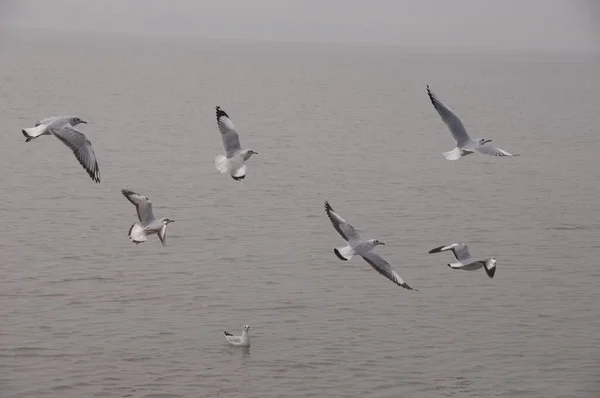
(233, 162)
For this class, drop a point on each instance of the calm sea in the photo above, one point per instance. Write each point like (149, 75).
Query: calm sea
(86, 313)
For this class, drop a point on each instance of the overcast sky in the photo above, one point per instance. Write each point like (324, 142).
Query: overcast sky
(505, 24)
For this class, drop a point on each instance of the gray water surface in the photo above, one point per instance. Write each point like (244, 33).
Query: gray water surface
(86, 313)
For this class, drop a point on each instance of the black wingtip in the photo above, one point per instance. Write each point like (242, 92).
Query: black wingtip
(226, 333)
(337, 253)
(239, 178)
(436, 250)
(220, 112)
(27, 136)
(490, 272)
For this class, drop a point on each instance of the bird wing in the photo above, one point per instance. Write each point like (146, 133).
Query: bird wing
(162, 234)
(81, 147)
(460, 251)
(346, 230)
(46, 120)
(382, 266)
(452, 121)
(488, 150)
(231, 140)
(142, 205)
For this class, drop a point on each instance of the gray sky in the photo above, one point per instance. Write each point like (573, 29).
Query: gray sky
(504, 24)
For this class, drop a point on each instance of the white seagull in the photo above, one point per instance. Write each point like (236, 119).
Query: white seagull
(62, 127)
(147, 225)
(240, 341)
(464, 144)
(464, 260)
(233, 162)
(362, 247)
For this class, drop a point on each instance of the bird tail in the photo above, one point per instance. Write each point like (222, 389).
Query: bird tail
(344, 253)
(454, 154)
(33, 132)
(221, 163)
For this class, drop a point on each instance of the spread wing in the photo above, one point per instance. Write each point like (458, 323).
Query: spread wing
(452, 121)
(231, 140)
(346, 230)
(382, 266)
(142, 205)
(81, 147)
(460, 251)
(488, 150)
(162, 234)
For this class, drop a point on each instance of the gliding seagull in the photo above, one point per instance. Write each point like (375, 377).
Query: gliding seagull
(464, 144)
(234, 160)
(148, 225)
(63, 128)
(464, 260)
(362, 247)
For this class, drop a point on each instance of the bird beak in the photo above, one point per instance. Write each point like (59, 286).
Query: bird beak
(83, 121)
(486, 141)
(382, 243)
(170, 221)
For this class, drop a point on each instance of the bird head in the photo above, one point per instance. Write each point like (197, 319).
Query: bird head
(74, 121)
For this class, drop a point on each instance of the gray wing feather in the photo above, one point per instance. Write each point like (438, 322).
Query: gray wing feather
(488, 150)
(452, 121)
(346, 230)
(461, 253)
(162, 234)
(231, 140)
(382, 266)
(81, 147)
(142, 205)
(45, 121)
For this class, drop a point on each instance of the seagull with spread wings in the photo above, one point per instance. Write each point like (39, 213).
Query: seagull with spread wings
(234, 160)
(63, 128)
(464, 260)
(147, 224)
(364, 248)
(464, 144)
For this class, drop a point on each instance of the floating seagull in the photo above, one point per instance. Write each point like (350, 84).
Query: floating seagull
(240, 341)
(63, 128)
(234, 161)
(465, 262)
(362, 247)
(464, 144)
(148, 225)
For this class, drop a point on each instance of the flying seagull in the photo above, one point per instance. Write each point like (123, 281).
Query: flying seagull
(464, 144)
(147, 225)
(464, 260)
(240, 341)
(62, 127)
(233, 162)
(362, 247)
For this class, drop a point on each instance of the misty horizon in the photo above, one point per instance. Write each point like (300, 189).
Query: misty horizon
(491, 24)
